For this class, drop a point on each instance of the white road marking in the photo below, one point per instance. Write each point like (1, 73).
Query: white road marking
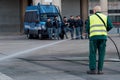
(4, 77)
(30, 50)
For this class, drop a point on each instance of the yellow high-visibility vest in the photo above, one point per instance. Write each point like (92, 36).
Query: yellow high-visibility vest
(97, 26)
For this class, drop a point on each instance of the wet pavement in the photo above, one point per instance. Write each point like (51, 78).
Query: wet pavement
(23, 59)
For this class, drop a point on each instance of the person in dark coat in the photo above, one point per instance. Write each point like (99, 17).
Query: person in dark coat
(49, 27)
(56, 27)
(78, 27)
(65, 26)
(81, 26)
(71, 22)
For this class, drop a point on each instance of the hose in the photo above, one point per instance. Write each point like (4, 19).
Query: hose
(118, 53)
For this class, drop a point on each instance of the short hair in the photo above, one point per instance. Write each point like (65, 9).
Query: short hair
(97, 8)
(64, 17)
(48, 18)
(71, 16)
(55, 16)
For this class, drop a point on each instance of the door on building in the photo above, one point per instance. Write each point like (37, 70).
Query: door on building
(70, 7)
(75, 7)
(9, 16)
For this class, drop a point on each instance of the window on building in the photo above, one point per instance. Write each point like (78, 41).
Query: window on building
(114, 11)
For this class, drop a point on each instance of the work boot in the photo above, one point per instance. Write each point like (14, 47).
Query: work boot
(91, 72)
(100, 72)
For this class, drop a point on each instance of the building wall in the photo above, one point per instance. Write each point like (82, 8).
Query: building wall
(9, 16)
(55, 2)
(67, 7)
(23, 5)
(70, 7)
(109, 7)
(35, 2)
(12, 11)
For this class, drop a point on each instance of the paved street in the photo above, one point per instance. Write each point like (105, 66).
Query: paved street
(23, 59)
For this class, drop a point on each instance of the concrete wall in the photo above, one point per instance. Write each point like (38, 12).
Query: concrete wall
(35, 2)
(70, 7)
(23, 5)
(9, 16)
(55, 2)
(84, 8)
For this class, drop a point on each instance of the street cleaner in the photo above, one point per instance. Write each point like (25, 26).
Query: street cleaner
(97, 27)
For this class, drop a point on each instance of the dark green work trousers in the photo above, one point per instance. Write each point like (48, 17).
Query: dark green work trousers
(100, 46)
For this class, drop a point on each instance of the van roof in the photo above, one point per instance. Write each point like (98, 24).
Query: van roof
(43, 8)
(48, 9)
(32, 8)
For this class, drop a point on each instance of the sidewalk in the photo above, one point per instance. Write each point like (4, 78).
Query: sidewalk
(8, 37)
(65, 64)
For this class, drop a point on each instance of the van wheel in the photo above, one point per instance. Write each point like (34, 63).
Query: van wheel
(39, 35)
(61, 36)
(29, 36)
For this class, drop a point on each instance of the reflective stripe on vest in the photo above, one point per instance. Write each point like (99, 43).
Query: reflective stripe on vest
(96, 25)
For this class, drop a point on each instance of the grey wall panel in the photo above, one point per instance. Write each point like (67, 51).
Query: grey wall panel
(70, 7)
(9, 16)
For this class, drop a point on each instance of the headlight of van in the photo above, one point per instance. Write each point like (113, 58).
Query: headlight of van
(43, 27)
(36, 28)
(39, 28)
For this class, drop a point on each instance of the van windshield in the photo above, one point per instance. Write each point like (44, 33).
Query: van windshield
(44, 16)
(31, 16)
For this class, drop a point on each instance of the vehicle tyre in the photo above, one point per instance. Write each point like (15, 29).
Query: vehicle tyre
(29, 36)
(40, 36)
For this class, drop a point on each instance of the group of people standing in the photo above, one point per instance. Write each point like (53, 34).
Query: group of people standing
(53, 27)
(72, 25)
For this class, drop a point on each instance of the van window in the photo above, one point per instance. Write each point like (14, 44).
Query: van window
(31, 16)
(44, 16)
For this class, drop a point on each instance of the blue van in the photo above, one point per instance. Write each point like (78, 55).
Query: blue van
(35, 19)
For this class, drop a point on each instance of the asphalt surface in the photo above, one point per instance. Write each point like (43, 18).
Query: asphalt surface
(23, 59)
